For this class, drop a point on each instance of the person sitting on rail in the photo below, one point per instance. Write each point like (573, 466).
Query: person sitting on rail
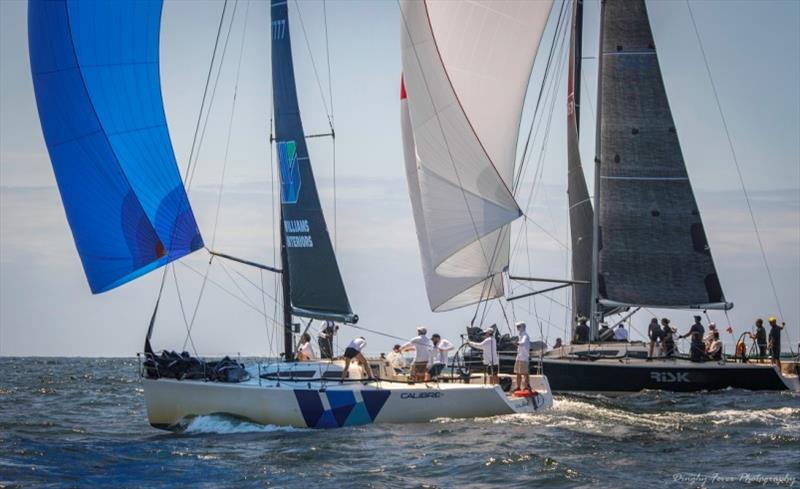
(714, 349)
(305, 352)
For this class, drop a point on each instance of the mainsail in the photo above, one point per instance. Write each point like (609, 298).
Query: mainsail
(466, 67)
(581, 216)
(315, 283)
(96, 76)
(653, 247)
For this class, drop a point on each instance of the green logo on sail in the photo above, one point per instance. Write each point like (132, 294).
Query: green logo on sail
(290, 172)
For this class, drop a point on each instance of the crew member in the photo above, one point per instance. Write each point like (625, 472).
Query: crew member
(709, 337)
(654, 333)
(422, 347)
(621, 334)
(760, 338)
(325, 340)
(439, 356)
(667, 338)
(522, 362)
(581, 332)
(491, 361)
(396, 360)
(714, 350)
(352, 351)
(558, 343)
(775, 341)
(305, 352)
(696, 348)
(604, 333)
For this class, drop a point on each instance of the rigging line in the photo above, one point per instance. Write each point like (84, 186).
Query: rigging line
(375, 332)
(197, 304)
(561, 13)
(260, 289)
(314, 64)
(183, 311)
(221, 287)
(205, 91)
(245, 297)
(264, 308)
(551, 95)
(736, 163)
(230, 127)
(213, 96)
(333, 138)
(441, 127)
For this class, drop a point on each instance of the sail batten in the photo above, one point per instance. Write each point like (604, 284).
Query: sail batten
(98, 93)
(466, 67)
(315, 282)
(653, 248)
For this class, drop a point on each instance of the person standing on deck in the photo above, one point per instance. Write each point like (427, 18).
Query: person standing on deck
(760, 337)
(697, 349)
(352, 351)
(667, 339)
(581, 332)
(654, 333)
(325, 339)
(523, 360)
(422, 347)
(775, 341)
(439, 356)
(491, 361)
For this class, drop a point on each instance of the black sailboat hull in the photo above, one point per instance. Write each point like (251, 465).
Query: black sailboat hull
(680, 376)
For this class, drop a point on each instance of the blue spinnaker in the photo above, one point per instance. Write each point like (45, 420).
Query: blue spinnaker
(95, 67)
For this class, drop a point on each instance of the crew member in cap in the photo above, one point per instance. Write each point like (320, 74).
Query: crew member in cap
(325, 339)
(696, 349)
(423, 348)
(490, 359)
(775, 341)
(522, 362)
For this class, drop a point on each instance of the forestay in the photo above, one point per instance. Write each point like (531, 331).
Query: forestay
(466, 67)
(96, 77)
(653, 247)
(316, 286)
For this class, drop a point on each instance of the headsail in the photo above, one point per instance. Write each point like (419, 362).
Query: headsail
(316, 287)
(96, 77)
(581, 215)
(466, 67)
(653, 247)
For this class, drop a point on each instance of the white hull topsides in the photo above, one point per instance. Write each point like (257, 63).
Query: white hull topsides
(285, 398)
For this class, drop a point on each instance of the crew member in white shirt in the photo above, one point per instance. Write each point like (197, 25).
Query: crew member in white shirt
(439, 357)
(352, 351)
(305, 352)
(396, 360)
(522, 362)
(490, 359)
(423, 347)
(621, 334)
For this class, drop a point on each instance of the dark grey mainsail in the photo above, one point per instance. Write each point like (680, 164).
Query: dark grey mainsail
(580, 205)
(314, 282)
(653, 247)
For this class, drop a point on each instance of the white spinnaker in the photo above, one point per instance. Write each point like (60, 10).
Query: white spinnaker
(466, 67)
(444, 293)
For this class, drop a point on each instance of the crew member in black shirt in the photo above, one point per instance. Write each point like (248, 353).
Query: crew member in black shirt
(697, 349)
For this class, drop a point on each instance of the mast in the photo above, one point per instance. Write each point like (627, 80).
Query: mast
(595, 310)
(288, 339)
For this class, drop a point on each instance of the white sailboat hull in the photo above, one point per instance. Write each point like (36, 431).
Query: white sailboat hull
(331, 404)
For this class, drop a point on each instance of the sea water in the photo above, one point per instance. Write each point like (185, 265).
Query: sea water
(82, 423)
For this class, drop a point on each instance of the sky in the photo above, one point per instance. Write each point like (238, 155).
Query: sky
(46, 308)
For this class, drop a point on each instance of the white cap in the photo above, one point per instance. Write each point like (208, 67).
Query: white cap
(520, 324)
(489, 330)
(712, 325)
(422, 330)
